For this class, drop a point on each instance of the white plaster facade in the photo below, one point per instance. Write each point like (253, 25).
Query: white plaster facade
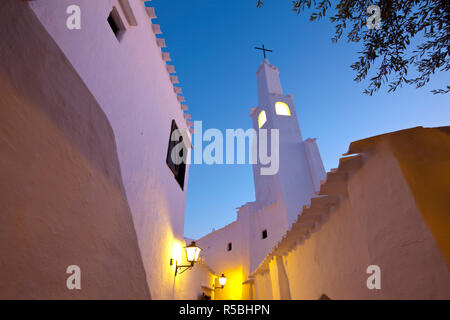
(131, 82)
(99, 110)
(370, 212)
(279, 197)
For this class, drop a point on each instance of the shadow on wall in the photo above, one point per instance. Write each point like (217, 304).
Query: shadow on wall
(62, 198)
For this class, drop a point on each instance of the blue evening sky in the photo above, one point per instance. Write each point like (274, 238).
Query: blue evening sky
(212, 47)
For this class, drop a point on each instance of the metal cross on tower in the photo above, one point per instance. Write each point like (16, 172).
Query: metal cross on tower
(263, 50)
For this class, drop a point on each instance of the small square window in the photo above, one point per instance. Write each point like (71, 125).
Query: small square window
(116, 24)
(230, 246)
(178, 165)
(264, 234)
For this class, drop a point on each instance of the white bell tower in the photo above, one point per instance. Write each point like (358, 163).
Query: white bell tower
(300, 165)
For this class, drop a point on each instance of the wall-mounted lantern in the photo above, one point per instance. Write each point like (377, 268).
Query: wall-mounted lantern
(222, 281)
(192, 254)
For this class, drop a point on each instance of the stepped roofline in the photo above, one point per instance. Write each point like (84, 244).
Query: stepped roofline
(333, 191)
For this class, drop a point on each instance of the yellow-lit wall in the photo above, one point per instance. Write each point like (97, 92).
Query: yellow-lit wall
(233, 289)
(188, 285)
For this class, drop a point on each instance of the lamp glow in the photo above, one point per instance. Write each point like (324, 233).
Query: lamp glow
(222, 280)
(192, 252)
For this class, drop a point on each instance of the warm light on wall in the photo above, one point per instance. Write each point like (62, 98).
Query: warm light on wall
(233, 288)
(262, 118)
(282, 109)
(176, 254)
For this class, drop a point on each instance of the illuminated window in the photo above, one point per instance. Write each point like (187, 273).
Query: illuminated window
(282, 109)
(262, 119)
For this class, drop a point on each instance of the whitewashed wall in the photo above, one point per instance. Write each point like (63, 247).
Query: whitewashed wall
(379, 223)
(234, 263)
(273, 219)
(279, 197)
(61, 192)
(130, 82)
